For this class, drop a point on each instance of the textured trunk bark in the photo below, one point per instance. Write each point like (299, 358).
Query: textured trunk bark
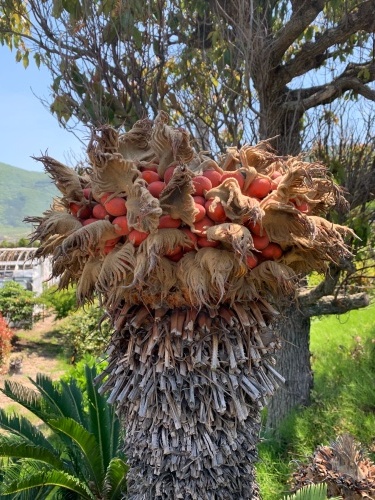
(293, 363)
(189, 388)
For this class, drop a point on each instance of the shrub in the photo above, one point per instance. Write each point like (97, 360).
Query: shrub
(86, 332)
(63, 302)
(6, 335)
(17, 304)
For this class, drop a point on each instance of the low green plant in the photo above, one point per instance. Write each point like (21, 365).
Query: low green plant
(87, 331)
(74, 455)
(63, 302)
(312, 492)
(17, 304)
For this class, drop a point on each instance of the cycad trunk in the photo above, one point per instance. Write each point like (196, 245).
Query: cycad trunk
(189, 388)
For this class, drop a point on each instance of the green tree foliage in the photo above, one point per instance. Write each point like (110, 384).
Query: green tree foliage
(63, 302)
(227, 71)
(86, 331)
(77, 453)
(17, 304)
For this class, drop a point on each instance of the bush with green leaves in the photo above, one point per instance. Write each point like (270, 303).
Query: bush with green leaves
(63, 302)
(86, 331)
(76, 456)
(17, 304)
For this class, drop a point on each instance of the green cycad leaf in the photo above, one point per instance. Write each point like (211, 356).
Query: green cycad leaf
(26, 397)
(312, 492)
(22, 427)
(58, 400)
(86, 443)
(103, 422)
(48, 478)
(12, 448)
(115, 479)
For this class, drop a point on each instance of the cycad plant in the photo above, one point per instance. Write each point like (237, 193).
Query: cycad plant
(190, 258)
(75, 454)
(312, 492)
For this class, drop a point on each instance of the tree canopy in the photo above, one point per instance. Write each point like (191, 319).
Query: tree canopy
(228, 71)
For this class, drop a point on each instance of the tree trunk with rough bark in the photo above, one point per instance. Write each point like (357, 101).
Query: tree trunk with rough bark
(293, 362)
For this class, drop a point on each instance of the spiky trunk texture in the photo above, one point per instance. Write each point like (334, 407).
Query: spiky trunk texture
(189, 386)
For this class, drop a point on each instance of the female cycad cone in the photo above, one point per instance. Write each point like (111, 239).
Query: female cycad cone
(190, 274)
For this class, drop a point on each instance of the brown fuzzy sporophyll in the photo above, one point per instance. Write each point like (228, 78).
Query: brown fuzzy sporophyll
(190, 257)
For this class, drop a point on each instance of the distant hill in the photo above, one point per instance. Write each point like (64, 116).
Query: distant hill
(22, 193)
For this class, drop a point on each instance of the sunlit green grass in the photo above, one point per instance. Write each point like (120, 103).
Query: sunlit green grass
(343, 399)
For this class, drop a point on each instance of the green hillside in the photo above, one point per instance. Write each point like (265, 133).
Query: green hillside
(22, 193)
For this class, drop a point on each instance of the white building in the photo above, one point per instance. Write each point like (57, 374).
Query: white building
(20, 265)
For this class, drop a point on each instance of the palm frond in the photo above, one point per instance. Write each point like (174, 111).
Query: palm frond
(12, 447)
(311, 492)
(115, 479)
(22, 427)
(85, 441)
(48, 478)
(103, 423)
(27, 398)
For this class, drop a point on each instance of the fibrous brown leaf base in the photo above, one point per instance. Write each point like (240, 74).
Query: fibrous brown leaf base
(189, 385)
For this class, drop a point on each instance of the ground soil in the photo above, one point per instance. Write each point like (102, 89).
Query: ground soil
(40, 350)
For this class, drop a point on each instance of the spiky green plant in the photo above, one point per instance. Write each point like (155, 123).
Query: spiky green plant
(312, 492)
(77, 453)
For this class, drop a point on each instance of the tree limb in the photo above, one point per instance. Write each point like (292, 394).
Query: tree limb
(351, 79)
(311, 54)
(303, 14)
(336, 305)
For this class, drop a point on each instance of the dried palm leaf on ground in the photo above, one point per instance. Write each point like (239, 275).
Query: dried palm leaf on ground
(190, 258)
(343, 467)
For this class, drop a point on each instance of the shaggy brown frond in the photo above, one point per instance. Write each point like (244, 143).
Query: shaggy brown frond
(143, 210)
(237, 206)
(67, 181)
(134, 145)
(176, 199)
(169, 144)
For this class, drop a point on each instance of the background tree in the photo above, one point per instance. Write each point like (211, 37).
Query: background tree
(228, 71)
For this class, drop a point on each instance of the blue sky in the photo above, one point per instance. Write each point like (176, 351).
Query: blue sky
(27, 128)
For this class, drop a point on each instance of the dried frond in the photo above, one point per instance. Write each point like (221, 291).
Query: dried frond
(67, 181)
(176, 199)
(237, 206)
(89, 239)
(87, 283)
(112, 173)
(143, 210)
(286, 225)
(235, 236)
(117, 268)
(161, 243)
(52, 223)
(134, 145)
(169, 144)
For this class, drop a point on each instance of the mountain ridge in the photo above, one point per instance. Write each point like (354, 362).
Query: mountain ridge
(22, 193)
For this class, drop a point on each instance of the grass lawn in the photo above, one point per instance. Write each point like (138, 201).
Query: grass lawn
(343, 399)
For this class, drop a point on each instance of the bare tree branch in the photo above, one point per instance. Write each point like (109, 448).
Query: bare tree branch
(311, 55)
(351, 79)
(303, 14)
(337, 305)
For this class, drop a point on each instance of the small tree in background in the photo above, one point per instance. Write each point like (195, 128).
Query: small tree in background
(17, 304)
